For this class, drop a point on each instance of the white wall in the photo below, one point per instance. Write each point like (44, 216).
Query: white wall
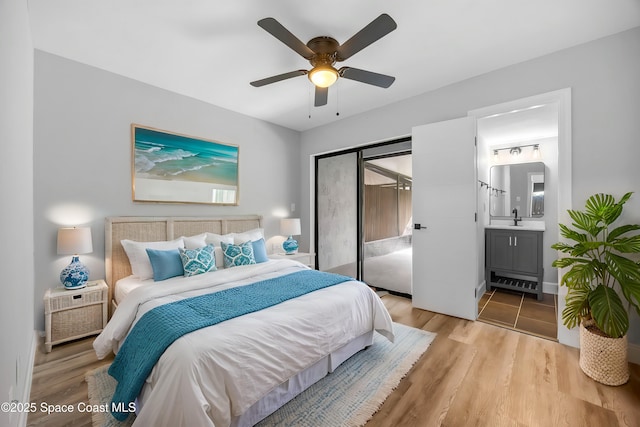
(603, 76)
(82, 149)
(16, 193)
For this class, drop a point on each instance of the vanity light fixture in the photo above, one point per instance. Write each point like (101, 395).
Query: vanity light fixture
(536, 151)
(516, 151)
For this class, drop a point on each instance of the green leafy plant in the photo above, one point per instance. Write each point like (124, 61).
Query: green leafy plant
(598, 269)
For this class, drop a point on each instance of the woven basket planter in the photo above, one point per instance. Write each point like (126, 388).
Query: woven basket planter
(602, 358)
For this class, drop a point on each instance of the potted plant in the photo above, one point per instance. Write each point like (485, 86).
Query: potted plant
(599, 274)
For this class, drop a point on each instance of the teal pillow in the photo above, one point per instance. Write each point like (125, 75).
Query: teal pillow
(235, 255)
(260, 251)
(165, 264)
(198, 261)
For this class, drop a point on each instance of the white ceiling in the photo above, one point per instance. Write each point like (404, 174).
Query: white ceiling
(503, 130)
(211, 50)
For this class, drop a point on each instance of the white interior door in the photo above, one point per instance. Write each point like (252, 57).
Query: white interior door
(445, 250)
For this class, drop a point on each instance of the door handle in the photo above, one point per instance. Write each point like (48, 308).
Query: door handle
(418, 226)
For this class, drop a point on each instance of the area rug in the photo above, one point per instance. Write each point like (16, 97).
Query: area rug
(347, 397)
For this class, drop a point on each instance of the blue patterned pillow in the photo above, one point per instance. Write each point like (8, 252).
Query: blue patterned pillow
(198, 261)
(235, 255)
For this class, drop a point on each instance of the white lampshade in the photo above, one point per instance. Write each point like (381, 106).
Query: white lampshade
(290, 226)
(74, 241)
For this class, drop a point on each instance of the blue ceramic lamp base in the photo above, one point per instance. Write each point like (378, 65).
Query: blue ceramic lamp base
(75, 275)
(290, 246)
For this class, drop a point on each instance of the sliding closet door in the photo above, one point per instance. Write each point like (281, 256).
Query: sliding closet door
(337, 213)
(387, 222)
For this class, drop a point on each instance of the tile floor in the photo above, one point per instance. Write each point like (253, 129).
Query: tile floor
(520, 312)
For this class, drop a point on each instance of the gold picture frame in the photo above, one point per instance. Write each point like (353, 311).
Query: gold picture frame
(169, 167)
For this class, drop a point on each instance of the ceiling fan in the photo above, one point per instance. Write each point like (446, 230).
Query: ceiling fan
(323, 52)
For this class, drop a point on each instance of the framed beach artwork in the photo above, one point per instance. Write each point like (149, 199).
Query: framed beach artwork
(174, 168)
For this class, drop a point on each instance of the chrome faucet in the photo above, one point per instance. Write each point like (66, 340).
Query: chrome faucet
(515, 216)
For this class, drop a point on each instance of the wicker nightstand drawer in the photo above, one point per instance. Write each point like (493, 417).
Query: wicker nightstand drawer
(76, 322)
(75, 314)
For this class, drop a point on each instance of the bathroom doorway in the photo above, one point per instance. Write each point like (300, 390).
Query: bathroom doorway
(529, 131)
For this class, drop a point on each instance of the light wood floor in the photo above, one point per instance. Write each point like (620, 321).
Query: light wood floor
(474, 374)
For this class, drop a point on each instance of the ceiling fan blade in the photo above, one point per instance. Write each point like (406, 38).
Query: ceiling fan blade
(364, 76)
(378, 28)
(278, 31)
(278, 78)
(321, 96)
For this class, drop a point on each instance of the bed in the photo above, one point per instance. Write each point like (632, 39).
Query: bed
(241, 369)
(391, 271)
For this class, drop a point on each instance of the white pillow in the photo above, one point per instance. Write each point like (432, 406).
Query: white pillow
(216, 240)
(251, 235)
(195, 242)
(139, 259)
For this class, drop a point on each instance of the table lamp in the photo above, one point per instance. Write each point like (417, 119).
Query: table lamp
(74, 241)
(290, 227)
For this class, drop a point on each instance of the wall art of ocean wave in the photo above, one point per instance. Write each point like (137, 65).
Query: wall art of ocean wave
(160, 155)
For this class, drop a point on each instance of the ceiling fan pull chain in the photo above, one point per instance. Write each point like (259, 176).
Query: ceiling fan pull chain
(338, 99)
(309, 100)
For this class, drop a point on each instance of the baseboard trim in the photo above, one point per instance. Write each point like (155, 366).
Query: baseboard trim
(480, 290)
(22, 420)
(550, 288)
(572, 338)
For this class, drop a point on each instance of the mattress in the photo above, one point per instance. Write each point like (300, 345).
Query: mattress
(125, 285)
(227, 374)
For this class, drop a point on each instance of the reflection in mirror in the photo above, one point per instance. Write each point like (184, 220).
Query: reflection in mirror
(517, 186)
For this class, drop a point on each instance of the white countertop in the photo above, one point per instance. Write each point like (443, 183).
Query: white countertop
(522, 225)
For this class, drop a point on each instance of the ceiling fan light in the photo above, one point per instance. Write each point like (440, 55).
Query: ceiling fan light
(323, 75)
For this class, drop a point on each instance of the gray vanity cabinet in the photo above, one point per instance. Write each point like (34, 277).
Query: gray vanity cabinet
(514, 260)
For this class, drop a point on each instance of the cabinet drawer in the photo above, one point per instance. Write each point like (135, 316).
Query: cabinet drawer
(62, 302)
(76, 322)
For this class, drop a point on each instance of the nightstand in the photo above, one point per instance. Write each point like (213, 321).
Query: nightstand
(303, 257)
(73, 314)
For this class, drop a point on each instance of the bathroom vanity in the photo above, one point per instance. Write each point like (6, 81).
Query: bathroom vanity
(513, 245)
(513, 256)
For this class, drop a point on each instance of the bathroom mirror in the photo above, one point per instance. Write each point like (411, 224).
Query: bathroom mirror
(518, 186)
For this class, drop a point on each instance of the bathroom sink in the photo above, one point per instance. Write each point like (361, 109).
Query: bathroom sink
(527, 225)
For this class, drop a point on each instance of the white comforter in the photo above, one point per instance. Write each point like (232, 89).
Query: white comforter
(212, 375)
